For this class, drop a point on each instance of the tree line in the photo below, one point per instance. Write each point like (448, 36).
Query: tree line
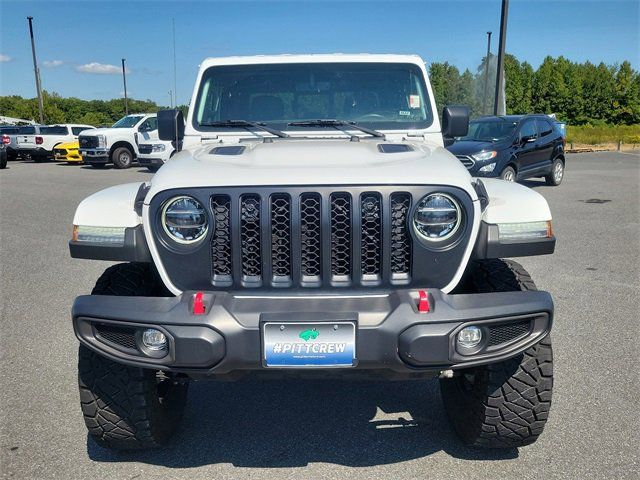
(578, 93)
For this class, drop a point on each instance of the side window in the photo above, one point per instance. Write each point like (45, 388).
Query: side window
(77, 130)
(149, 124)
(544, 127)
(528, 129)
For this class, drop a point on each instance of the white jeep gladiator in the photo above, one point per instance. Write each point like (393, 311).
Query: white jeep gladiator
(118, 144)
(39, 145)
(312, 224)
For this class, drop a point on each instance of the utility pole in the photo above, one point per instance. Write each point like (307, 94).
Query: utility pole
(36, 70)
(486, 75)
(499, 97)
(124, 79)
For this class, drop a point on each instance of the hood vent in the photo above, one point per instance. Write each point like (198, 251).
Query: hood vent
(228, 150)
(394, 147)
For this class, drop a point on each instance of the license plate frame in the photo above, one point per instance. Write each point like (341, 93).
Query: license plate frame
(301, 338)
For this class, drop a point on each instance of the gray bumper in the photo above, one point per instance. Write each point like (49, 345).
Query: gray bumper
(391, 334)
(94, 155)
(154, 162)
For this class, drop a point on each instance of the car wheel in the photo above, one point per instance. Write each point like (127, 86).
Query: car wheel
(122, 157)
(557, 173)
(39, 158)
(508, 174)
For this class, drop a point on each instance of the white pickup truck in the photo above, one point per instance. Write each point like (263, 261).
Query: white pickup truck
(39, 145)
(118, 144)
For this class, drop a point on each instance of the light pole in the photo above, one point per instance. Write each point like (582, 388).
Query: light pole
(124, 79)
(36, 70)
(486, 75)
(499, 97)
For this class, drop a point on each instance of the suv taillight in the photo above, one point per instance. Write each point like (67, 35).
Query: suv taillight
(38, 140)
(6, 140)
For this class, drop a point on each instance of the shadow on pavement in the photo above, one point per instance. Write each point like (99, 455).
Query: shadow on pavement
(291, 423)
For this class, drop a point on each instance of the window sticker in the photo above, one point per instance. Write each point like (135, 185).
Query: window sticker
(406, 113)
(414, 101)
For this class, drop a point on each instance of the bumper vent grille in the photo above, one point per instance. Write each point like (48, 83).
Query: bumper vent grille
(499, 334)
(120, 336)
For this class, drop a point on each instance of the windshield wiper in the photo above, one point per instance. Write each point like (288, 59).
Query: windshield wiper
(247, 125)
(336, 124)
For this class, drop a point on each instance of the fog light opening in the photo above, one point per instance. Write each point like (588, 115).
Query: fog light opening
(154, 340)
(469, 337)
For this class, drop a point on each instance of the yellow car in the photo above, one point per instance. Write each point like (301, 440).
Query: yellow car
(67, 152)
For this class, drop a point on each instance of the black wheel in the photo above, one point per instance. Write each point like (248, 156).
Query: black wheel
(40, 158)
(128, 407)
(508, 174)
(122, 157)
(505, 404)
(3, 159)
(557, 173)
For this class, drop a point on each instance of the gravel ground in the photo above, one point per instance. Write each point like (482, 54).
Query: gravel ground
(320, 429)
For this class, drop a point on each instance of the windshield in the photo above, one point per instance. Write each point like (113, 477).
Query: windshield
(127, 122)
(489, 131)
(376, 95)
(57, 130)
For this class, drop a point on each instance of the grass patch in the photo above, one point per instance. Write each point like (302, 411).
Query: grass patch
(598, 134)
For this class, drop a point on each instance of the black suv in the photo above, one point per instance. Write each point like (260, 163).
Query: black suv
(513, 147)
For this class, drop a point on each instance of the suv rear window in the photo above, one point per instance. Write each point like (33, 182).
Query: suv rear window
(27, 130)
(55, 130)
(8, 130)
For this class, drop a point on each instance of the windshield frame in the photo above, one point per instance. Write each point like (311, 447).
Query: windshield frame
(284, 124)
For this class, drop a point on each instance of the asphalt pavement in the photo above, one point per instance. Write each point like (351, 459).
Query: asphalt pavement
(296, 429)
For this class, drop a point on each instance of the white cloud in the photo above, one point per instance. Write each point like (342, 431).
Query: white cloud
(52, 63)
(5, 58)
(100, 68)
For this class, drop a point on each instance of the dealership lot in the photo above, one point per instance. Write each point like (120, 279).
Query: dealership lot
(324, 429)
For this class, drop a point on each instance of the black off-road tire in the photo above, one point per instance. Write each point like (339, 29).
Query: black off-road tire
(3, 159)
(505, 404)
(128, 407)
(122, 157)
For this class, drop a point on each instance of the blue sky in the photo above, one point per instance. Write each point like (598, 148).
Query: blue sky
(76, 39)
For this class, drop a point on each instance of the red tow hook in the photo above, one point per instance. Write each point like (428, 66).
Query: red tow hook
(423, 302)
(198, 304)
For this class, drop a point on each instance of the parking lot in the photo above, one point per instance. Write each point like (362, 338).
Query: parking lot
(324, 429)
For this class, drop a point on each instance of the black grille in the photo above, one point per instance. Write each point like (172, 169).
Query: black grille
(88, 142)
(311, 239)
(145, 148)
(371, 234)
(341, 236)
(250, 237)
(400, 238)
(499, 334)
(281, 237)
(221, 239)
(121, 336)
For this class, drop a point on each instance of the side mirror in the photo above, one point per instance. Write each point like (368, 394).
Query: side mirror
(527, 139)
(455, 121)
(171, 126)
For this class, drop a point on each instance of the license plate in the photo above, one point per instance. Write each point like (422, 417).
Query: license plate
(309, 345)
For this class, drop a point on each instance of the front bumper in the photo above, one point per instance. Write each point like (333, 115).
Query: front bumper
(94, 155)
(391, 334)
(147, 161)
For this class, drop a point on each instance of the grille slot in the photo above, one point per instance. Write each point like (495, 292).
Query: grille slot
(371, 236)
(466, 160)
(340, 206)
(311, 239)
(281, 237)
(120, 336)
(499, 334)
(250, 237)
(221, 240)
(400, 238)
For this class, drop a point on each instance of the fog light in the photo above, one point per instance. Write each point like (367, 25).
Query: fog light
(154, 339)
(469, 337)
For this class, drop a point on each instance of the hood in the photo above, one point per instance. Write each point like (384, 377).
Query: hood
(69, 145)
(311, 162)
(97, 131)
(469, 147)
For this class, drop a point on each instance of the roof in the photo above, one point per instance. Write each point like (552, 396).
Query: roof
(511, 118)
(312, 58)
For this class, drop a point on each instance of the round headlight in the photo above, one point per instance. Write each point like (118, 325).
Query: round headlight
(184, 220)
(437, 217)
